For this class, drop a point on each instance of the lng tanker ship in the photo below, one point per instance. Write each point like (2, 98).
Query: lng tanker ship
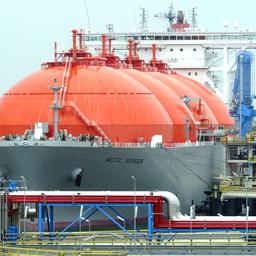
(88, 122)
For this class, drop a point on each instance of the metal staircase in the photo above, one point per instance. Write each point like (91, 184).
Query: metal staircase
(63, 103)
(64, 83)
(86, 120)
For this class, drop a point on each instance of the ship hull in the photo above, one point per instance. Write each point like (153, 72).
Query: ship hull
(186, 171)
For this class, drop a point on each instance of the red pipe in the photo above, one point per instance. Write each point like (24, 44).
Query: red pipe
(48, 198)
(130, 41)
(55, 51)
(103, 45)
(154, 55)
(135, 49)
(74, 31)
(159, 220)
(200, 107)
(80, 41)
(109, 46)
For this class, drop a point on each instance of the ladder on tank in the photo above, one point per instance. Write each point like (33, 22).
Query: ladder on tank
(64, 83)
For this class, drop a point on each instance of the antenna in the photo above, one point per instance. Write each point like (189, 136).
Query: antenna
(110, 27)
(144, 20)
(170, 16)
(87, 15)
(226, 24)
(193, 20)
(235, 24)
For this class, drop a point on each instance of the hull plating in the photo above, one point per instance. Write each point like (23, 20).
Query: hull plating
(185, 171)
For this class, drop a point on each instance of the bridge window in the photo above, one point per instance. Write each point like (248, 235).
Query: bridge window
(158, 37)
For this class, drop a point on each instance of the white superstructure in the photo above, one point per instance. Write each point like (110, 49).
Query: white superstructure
(203, 56)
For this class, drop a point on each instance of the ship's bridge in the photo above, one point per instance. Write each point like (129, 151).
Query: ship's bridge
(208, 57)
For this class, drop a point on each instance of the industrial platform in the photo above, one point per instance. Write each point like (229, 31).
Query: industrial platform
(168, 233)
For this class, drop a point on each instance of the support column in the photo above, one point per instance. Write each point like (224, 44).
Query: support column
(150, 222)
(40, 221)
(52, 227)
(1, 216)
(225, 76)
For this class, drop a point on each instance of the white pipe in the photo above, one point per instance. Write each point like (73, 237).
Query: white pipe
(237, 194)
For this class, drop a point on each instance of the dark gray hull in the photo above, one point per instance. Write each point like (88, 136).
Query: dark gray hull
(185, 171)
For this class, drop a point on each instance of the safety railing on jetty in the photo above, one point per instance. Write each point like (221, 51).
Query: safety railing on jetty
(250, 138)
(94, 243)
(112, 238)
(59, 251)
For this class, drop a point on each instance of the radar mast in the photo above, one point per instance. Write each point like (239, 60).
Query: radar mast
(144, 20)
(170, 16)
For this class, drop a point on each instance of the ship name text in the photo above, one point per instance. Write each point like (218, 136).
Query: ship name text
(124, 160)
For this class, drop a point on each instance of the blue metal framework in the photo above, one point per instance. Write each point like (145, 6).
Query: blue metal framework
(241, 107)
(92, 209)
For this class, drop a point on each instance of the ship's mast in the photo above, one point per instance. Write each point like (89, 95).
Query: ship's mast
(110, 27)
(170, 16)
(144, 20)
(193, 20)
(55, 107)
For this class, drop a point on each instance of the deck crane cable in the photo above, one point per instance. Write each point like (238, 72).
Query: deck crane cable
(199, 157)
(195, 174)
(87, 15)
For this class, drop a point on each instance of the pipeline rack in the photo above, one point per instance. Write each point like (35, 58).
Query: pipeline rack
(107, 204)
(162, 235)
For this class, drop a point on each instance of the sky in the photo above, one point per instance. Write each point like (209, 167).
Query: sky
(30, 27)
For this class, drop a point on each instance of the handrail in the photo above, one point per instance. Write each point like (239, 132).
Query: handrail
(33, 239)
(66, 82)
(63, 81)
(86, 120)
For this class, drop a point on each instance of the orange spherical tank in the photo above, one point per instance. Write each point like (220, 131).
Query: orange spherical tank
(198, 107)
(216, 105)
(174, 106)
(107, 99)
